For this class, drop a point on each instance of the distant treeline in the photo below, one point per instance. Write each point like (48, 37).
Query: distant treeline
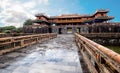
(10, 29)
(13, 29)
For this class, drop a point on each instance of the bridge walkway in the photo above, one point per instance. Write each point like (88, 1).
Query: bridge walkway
(59, 55)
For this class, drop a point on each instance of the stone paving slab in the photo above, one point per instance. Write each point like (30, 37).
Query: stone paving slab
(58, 55)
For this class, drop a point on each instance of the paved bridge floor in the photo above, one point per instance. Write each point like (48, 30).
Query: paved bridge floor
(58, 55)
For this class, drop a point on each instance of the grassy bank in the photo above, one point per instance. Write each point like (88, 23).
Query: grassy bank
(114, 48)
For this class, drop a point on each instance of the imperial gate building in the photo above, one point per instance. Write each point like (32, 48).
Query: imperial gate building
(66, 23)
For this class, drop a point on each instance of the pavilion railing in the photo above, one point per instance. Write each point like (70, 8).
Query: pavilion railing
(98, 58)
(9, 44)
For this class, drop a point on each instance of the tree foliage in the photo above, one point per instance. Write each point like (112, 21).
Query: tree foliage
(9, 29)
(18, 30)
(28, 22)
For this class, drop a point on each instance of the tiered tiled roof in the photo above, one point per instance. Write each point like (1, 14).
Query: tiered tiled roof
(72, 15)
(77, 15)
(99, 15)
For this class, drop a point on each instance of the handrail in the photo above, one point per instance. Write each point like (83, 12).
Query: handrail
(2, 35)
(99, 54)
(9, 44)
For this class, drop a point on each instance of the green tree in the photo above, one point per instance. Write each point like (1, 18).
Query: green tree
(19, 30)
(0, 29)
(28, 22)
(7, 29)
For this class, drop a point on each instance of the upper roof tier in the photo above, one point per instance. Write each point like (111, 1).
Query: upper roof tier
(100, 11)
(71, 16)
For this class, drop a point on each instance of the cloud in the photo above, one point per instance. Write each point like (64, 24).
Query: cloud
(42, 1)
(15, 12)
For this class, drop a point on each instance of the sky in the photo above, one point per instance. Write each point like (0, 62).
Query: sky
(15, 12)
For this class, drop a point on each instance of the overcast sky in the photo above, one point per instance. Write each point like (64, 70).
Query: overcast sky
(15, 12)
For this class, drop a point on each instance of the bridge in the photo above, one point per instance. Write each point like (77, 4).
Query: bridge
(52, 53)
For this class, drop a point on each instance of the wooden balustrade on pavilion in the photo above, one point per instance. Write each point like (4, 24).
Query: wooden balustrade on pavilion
(68, 21)
(98, 58)
(9, 44)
